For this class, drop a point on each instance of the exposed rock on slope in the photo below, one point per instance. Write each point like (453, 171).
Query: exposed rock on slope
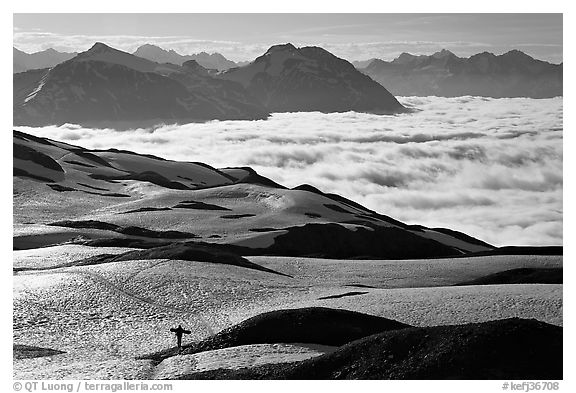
(520, 276)
(503, 349)
(337, 241)
(21, 351)
(317, 325)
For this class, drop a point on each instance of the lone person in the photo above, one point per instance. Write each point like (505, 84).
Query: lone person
(179, 331)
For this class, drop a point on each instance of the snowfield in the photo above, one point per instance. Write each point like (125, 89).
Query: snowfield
(111, 249)
(237, 357)
(104, 316)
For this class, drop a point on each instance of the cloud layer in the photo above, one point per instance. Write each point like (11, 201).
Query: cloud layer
(34, 41)
(491, 168)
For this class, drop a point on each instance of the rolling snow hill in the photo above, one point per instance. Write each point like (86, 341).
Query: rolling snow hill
(120, 198)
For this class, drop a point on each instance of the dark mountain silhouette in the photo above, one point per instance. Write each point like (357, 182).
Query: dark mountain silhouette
(512, 74)
(105, 85)
(230, 96)
(214, 61)
(22, 61)
(290, 79)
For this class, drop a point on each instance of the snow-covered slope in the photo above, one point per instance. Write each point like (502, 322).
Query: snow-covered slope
(44, 158)
(104, 194)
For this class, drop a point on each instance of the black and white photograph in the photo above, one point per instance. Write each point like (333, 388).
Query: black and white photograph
(287, 196)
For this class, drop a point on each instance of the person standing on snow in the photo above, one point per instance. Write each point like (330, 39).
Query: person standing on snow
(179, 332)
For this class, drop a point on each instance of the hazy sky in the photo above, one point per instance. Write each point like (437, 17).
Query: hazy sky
(245, 36)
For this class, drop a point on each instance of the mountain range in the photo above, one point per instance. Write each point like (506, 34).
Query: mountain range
(22, 61)
(512, 74)
(120, 198)
(214, 61)
(104, 85)
(108, 87)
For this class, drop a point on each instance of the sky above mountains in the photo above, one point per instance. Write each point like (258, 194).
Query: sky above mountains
(242, 37)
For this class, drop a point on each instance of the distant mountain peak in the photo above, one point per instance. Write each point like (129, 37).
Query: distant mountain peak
(290, 79)
(516, 51)
(315, 51)
(404, 58)
(484, 54)
(363, 63)
(208, 61)
(443, 53)
(100, 47)
(282, 48)
(193, 65)
(218, 56)
(104, 53)
(517, 54)
(47, 58)
(149, 46)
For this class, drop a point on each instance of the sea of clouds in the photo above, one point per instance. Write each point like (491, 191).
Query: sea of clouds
(491, 168)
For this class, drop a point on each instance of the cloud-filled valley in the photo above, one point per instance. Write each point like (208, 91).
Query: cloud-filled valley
(491, 168)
